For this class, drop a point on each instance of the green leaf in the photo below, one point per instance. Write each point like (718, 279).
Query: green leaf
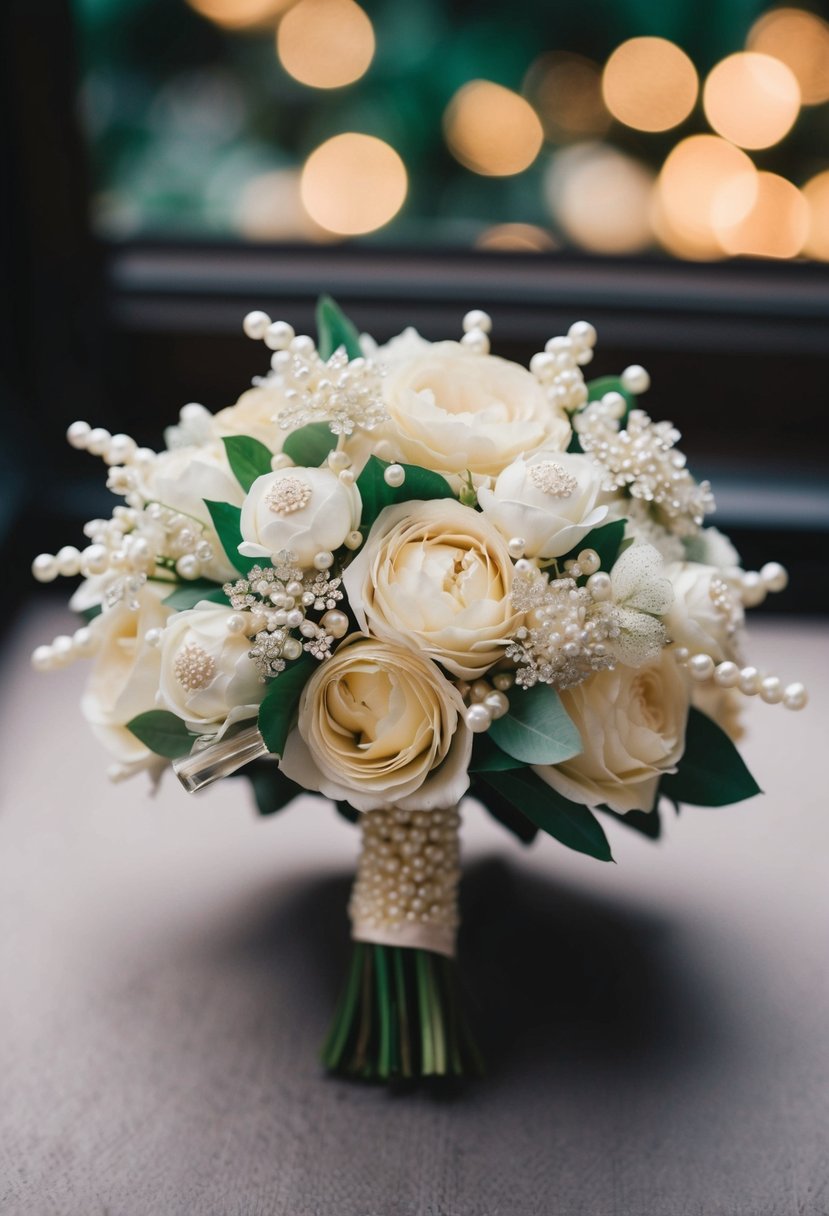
(347, 811)
(248, 458)
(276, 713)
(309, 445)
(89, 614)
(610, 384)
(334, 329)
(648, 823)
(271, 788)
(419, 484)
(226, 522)
(502, 809)
(606, 540)
(568, 822)
(187, 595)
(162, 732)
(537, 729)
(711, 771)
(487, 756)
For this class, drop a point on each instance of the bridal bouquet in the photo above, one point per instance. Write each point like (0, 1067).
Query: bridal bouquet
(397, 576)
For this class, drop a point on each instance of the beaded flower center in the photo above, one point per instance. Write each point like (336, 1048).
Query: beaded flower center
(552, 479)
(288, 495)
(194, 667)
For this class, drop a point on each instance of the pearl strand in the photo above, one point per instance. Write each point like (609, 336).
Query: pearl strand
(747, 680)
(64, 649)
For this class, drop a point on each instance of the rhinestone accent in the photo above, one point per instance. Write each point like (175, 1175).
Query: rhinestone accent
(552, 479)
(289, 494)
(194, 668)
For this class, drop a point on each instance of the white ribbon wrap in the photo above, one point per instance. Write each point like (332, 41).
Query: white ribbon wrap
(406, 889)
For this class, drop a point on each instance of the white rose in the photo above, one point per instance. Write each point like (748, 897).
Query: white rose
(453, 410)
(711, 547)
(124, 677)
(183, 478)
(255, 414)
(436, 576)
(205, 672)
(401, 347)
(552, 502)
(306, 511)
(707, 614)
(380, 726)
(632, 725)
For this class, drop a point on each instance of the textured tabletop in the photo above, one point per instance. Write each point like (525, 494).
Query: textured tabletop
(656, 1030)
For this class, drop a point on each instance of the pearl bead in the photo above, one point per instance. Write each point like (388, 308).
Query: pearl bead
(324, 560)
(292, 648)
(84, 641)
(42, 658)
(775, 577)
(727, 675)
(237, 622)
(62, 649)
(543, 365)
(476, 341)
(503, 681)
(188, 566)
(335, 622)
(701, 667)
(295, 618)
(279, 335)
(600, 586)
(256, 324)
(752, 589)
(308, 629)
(302, 345)
(749, 681)
(476, 318)
(795, 696)
(77, 435)
(681, 654)
(589, 561)
(95, 559)
(281, 461)
(121, 450)
(45, 568)
(635, 379)
(69, 561)
(497, 704)
(771, 690)
(516, 546)
(582, 333)
(339, 460)
(615, 404)
(524, 566)
(354, 540)
(394, 475)
(478, 718)
(479, 690)
(346, 477)
(97, 441)
(153, 637)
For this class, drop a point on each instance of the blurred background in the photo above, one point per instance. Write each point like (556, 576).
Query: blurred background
(660, 169)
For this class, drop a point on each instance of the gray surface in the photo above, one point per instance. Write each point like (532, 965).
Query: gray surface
(656, 1029)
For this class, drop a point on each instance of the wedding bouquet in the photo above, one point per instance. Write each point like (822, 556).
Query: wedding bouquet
(397, 576)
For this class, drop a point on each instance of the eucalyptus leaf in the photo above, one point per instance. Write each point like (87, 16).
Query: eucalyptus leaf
(309, 445)
(487, 756)
(419, 484)
(334, 329)
(89, 614)
(162, 732)
(226, 521)
(568, 822)
(347, 811)
(272, 790)
(277, 711)
(537, 729)
(648, 823)
(502, 809)
(187, 595)
(711, 771)
(248, 459)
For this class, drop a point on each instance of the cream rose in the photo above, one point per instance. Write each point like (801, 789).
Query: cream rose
(205, 673)
(453, 410)
(632, 725)
(707, 614)
(255, 414)
(124, 676)
(380, 726)
(436, 576)
(306, 511)
(550, 501)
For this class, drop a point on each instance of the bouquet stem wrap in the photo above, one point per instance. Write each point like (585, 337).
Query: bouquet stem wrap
(400, 1013)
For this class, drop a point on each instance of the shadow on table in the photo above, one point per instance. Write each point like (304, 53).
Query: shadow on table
(551, 975)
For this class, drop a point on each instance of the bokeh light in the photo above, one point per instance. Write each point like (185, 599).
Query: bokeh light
(816, 194)
(776, 226)
(751, 99)
(566, 91)
(353, 184)
(516, 238)
(240, 14)
(269, 208)
(801, 41)
(650, 84)
(492, 130)
(325, 43)
(704, 186)
(601, 198)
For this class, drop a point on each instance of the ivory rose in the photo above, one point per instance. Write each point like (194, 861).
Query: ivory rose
(205, 672)
(306, 511)
(255, 414)
(632, 725)
(707, 614)
(550, 500)
(453, 411)
(436, 576)
(378, 726)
